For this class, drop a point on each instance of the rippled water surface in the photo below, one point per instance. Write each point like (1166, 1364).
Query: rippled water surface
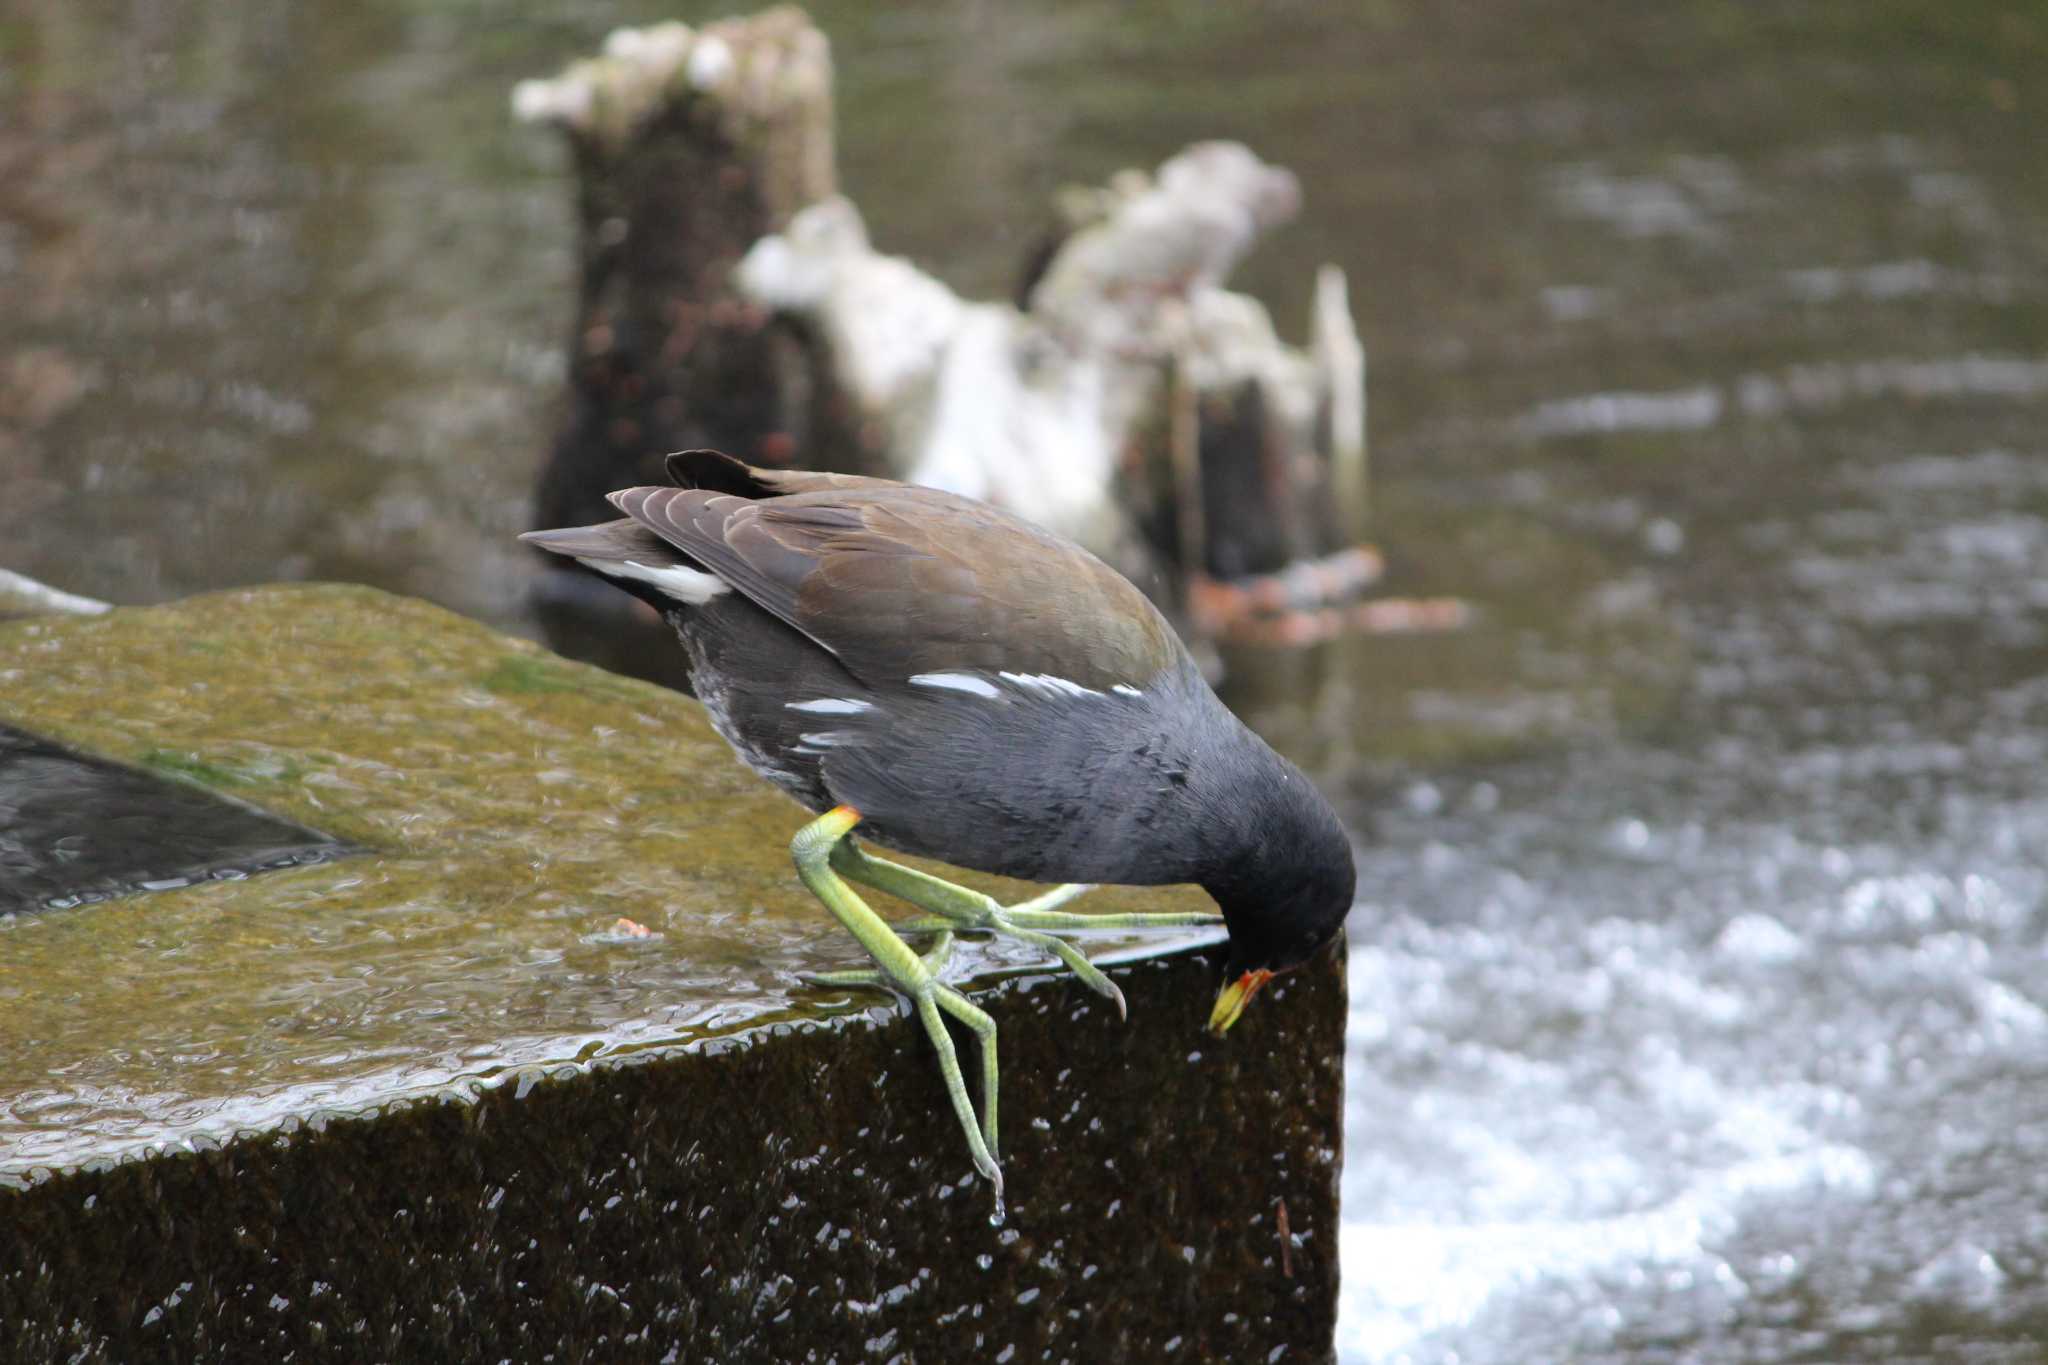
(1697, 979)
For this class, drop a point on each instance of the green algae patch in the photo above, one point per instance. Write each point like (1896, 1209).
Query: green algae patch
(193, 768)
(522, 674)
(516, 806)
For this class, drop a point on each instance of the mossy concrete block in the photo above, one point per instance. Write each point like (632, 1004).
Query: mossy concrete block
(428, 1103)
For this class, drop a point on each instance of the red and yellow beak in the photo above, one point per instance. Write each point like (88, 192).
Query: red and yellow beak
(1231, 1000)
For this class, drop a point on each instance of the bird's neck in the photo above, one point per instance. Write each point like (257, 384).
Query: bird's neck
(1253, 831)
(1259, 837)
(1245, 809)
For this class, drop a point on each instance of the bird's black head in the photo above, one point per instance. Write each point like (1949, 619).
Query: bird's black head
(1285, 900)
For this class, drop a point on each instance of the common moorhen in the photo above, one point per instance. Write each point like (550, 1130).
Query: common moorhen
(953, 682)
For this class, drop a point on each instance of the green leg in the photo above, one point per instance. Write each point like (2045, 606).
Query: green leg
(955, 908)
(984, 1029)
(934, 960)
(903, 970)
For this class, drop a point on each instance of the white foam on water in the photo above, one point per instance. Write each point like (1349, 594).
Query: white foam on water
(1507, 1171)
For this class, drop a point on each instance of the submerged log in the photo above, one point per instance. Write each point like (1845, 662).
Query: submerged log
(1127, 399)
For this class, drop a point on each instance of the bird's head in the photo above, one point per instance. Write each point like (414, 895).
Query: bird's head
(1283, 914)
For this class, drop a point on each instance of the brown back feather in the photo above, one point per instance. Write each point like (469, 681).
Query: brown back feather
(896, 580)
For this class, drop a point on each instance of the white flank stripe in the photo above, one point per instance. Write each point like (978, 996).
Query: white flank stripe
(691, 587)
(830, 706)
(1046, 685)
(825, 739)
(1127, 690)
(955, 682)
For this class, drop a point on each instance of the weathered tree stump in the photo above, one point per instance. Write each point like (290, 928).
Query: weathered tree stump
(688, 146)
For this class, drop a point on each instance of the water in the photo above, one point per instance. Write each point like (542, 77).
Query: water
(1696, 1003)
(76, 829)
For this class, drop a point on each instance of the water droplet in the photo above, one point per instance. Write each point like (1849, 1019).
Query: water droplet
(995, 1218)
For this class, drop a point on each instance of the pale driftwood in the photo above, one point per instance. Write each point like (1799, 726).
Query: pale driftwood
(766, 82)
(1064, 410)
(21, 595)
(1340, 368)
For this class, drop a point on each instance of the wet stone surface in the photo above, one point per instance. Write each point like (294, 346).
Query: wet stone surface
(431, 1092)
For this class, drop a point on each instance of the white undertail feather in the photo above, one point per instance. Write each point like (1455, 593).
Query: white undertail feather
(691, 587)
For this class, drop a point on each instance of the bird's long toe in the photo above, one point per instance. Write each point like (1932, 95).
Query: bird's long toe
(1025, 915)
(1076, 961)
(853, 980)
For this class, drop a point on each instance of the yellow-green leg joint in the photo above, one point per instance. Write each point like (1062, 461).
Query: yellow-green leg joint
(813, 850)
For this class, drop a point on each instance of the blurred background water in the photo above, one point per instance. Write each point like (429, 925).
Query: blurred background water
(1697, 981)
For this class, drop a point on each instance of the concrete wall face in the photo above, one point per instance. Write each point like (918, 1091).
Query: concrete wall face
(799, 1193)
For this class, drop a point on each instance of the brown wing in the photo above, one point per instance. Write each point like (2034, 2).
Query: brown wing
(721, 473)
(896, 580)
(612, 540)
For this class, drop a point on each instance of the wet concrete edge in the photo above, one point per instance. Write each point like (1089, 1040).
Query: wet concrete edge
(799, 1192)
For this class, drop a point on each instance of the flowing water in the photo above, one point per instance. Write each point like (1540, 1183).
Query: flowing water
(1697, 975)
